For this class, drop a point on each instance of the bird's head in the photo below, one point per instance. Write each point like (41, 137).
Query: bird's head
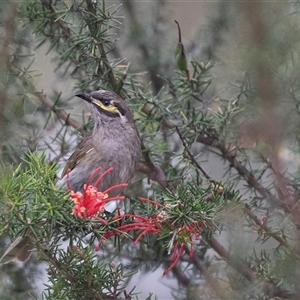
(106, 107)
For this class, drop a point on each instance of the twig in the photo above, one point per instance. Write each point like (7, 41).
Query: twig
(287, 205)
(60, 113)
(258, 222)
(186, 147)
(53, 261)
(246, 209)
(281, 180)
(268, 287)
(7, 40)
(63, 25)
(91, 7)
(181, 276)
(144, 49)
(247, 272)
(214, 283)
(148, 167)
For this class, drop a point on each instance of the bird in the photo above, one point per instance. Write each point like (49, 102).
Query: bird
(113, 142)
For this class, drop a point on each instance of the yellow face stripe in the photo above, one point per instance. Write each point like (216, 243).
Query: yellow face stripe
(111, 108)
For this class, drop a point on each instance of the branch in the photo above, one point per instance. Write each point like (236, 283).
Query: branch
(60, 113)
(63, 25)
(258, 222)
(246, 209)
(186, 147)
(143, 47)
(7, 41)
(213, 282)
(286, 204)
(268, 287)
(180, 275)
(91, 7)
(148, 167)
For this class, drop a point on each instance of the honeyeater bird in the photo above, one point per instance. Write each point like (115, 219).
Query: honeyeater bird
(113, 142)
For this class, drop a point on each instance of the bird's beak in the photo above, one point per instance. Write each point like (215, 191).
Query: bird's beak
(85, 96)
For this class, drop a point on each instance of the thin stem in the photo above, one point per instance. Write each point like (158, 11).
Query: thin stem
(213, 282)
(60, 113)
(268, 287)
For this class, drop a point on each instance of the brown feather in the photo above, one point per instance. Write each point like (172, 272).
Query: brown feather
(83, 148)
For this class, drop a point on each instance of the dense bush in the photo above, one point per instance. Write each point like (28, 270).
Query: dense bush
(215, 205)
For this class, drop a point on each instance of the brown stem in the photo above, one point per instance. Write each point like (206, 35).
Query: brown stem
(142, 46)
(91, 7)
(60, 113)
(63, 25)
(268, 287)
(186, 147)
(181, 276)
(148, 167)
(247, 272)
(285, 204)
(7, 41)
(258, 222)
(213, 282)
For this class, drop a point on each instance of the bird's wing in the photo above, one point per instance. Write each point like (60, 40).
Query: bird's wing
(78, 155)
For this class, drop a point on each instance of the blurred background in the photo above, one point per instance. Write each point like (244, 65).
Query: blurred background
(251, 53)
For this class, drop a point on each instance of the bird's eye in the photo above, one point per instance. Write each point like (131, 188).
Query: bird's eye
(106, 102)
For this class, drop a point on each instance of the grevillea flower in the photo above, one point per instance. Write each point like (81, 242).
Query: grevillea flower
(139, 223)
(91, 202)
(176, 254)
(186, 235)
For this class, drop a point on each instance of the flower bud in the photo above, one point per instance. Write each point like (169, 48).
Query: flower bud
(180, 55)
(181, 61)
(179, 47)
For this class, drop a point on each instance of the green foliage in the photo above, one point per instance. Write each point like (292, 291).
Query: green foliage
(31, 197)
(86, 277)
(36, 207)
(222, 147)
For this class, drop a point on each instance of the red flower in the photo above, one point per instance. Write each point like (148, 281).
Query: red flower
(185, 236)
(177, 253)
(92, 202)
(146, 225)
